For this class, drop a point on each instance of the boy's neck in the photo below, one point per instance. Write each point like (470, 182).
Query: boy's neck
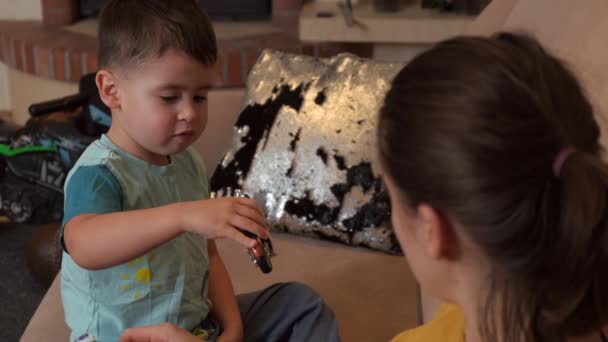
(122, 140)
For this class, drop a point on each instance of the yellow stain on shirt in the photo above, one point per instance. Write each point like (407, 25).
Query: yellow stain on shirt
(143, 275)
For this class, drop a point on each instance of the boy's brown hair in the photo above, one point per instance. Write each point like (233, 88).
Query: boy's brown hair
(133, 30)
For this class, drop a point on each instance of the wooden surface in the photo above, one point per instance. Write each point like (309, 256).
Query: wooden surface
(410, 25)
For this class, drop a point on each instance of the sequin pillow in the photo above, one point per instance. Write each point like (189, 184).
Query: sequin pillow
(305, 147)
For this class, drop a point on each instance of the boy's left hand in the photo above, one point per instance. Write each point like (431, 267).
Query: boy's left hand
(228, 336)
(165, 332)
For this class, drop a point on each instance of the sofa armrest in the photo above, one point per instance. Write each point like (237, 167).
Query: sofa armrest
(48, 323)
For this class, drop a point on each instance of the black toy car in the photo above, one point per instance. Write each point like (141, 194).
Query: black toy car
(263, 251)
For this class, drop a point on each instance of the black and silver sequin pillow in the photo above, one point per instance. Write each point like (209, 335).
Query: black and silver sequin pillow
(305, 146)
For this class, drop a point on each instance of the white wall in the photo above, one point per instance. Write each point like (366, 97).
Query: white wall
(21, 9)
(402, 53)
(576, 32)
(15, 10)
(5, 96)
(490, 20)
(21, 85)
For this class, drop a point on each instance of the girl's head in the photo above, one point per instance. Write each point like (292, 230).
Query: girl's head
(469, 134)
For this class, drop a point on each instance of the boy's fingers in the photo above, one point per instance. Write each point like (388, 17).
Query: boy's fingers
(236, 235)
(165, 332)
(251, 214)
(247, 224)
(251, 204)
(145, 334)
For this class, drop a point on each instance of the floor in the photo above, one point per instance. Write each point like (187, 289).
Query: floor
(20, 294)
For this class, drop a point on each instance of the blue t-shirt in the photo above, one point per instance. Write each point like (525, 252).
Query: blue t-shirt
(167, 284)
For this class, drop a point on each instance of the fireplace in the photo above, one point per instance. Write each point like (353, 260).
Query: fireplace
(223, 10)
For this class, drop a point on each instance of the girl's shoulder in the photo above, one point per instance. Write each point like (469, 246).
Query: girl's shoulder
(447, 326)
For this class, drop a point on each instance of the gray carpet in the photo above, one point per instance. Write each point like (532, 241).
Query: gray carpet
(20, 294)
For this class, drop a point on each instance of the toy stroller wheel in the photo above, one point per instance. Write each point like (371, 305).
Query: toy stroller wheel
(2, 168)
(264, 265)
(21, 211)
(56, 215)
(57, 209)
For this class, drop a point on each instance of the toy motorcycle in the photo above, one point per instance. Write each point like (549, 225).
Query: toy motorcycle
(36, 158)
(263, 251)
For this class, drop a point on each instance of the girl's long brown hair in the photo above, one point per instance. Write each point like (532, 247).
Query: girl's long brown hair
(472, 127)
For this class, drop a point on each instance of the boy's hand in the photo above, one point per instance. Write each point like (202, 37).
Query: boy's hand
(226, 337)
(165, 332)
(225, 217)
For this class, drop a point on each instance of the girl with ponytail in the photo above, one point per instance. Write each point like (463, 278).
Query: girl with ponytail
(491, 156)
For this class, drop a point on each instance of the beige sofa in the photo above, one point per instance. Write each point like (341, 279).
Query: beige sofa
(374, 295)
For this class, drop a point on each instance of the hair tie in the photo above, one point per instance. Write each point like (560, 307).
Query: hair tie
(560, 160)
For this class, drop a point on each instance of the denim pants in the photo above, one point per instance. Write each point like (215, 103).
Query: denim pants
(282, 312)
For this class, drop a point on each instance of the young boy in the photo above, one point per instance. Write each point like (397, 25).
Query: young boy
(136, 208)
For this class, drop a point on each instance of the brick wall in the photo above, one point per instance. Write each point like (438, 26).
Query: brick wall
(58, 13)
(47, 50)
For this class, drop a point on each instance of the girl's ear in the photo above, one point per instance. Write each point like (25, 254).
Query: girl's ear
(436, 233)
(108, 89)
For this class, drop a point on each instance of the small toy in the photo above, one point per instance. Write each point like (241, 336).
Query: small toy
(261, 253)
(201, 333)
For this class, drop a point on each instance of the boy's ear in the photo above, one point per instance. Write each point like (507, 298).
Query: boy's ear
(437, 232)
(108, 88)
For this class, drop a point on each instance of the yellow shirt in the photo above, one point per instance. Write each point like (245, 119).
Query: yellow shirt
(447, 326)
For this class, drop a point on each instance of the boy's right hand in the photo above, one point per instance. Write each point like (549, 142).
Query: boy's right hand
(165, 332)
(224, 217)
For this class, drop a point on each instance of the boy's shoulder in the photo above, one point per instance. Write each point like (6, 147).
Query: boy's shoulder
(105, 157)
(96, 156)
(103, 152)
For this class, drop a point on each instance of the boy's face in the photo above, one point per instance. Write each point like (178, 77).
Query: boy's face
(162, 106)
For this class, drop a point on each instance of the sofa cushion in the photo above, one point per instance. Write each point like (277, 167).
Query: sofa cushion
(304, 146)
